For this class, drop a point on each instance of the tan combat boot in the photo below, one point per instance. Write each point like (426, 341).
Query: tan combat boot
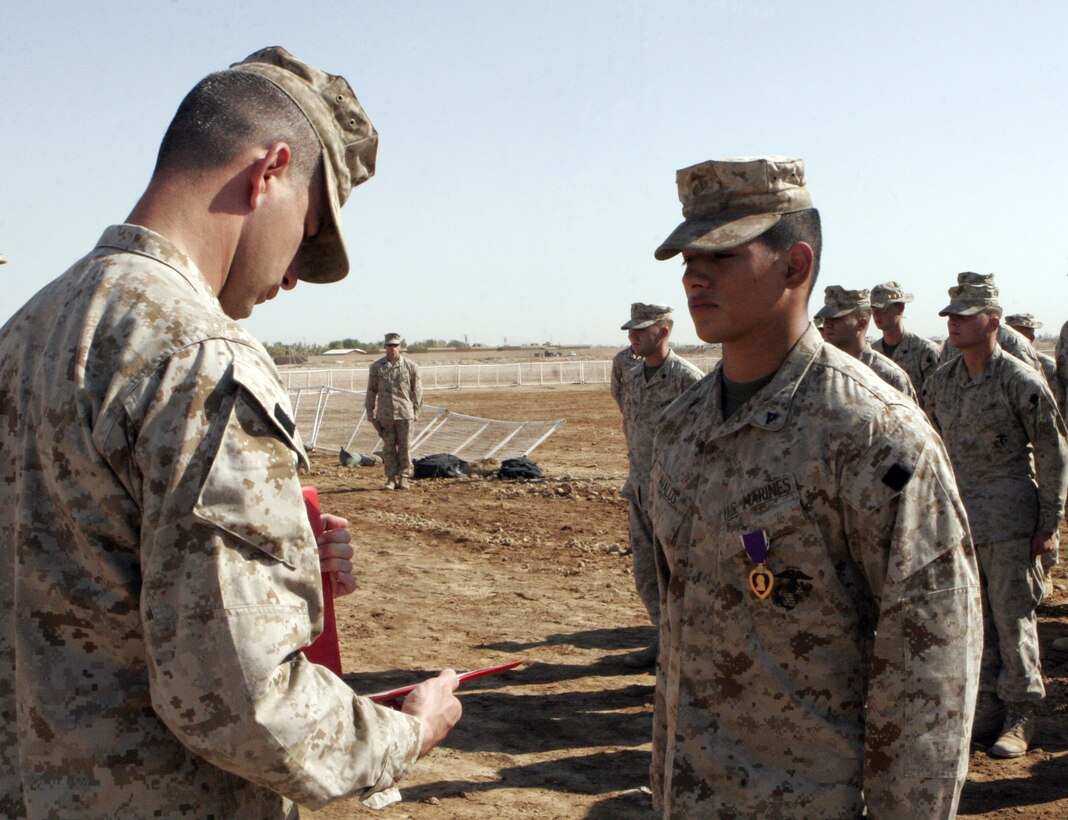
(402, 483)
(389, 485)
(1017, 732)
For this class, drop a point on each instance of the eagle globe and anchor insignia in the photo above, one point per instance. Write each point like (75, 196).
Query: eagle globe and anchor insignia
(761, 579)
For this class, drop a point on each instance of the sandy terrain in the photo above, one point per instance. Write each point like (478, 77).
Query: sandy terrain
(470, 573)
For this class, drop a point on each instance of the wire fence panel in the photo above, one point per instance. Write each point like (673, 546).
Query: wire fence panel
(333, 418)
(453, 376)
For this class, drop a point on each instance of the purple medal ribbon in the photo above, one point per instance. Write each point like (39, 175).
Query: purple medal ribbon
(756, 545)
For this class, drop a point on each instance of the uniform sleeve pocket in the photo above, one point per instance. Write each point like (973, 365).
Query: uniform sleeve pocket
(251, 491)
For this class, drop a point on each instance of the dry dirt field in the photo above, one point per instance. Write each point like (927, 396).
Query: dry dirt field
(471, 573)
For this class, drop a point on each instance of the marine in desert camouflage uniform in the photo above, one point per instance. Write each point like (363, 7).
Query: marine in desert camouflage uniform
(648, 387)
(393, 400)
(846, 315)
(994, 414)
(1026, 325)
(850, 685)
(914, 354)
(160, 574)
(1008, 339)
(621, 362)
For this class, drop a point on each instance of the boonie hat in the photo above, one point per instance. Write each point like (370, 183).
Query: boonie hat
(838, 302)
(392, 339)
(728, 202)
(967, 300)
(973, 278)
(349, 143)
(889, 293)
(643, 315)
(1023, 320)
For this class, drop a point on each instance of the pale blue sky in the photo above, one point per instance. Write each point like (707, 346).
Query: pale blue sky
(528, 149)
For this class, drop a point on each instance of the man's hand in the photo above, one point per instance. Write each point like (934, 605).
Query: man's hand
(1042, 542)
(335, 554)
(434, 703)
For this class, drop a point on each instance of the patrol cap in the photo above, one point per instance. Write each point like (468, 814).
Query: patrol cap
(1023, 320)
(838, 302)
(349, 143)
(973, 278)
(643, 315)
(728, 202)
(968, 300)
(392, 339)
(889, 293)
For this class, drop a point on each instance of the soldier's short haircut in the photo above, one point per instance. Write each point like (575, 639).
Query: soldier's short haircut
(228, 111)
(798, 226)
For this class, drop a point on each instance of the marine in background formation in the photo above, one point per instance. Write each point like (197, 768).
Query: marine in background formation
(914, 354)
(1025, 325)
(621, 362)
(160, 575)
(846, 315)
(648, 387)
(1000, 424)
(393, 400)
(820, 611)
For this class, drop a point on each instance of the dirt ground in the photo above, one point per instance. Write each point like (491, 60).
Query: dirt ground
(469, 573)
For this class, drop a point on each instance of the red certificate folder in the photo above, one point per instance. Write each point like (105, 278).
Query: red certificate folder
(324, 650)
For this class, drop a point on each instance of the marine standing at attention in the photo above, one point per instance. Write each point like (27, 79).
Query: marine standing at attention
(914, 354)
(1006, 439)
(160, 575)
(648, 388)
(393, 399)
(819, 612)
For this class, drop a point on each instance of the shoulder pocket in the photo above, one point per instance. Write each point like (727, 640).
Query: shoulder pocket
(251, 490)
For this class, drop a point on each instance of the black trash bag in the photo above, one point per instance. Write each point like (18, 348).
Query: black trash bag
(440, 465)
(521, 467)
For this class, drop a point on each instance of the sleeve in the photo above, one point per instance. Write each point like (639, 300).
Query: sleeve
(1061, 355)
(1036, 410)
(617, 381)
(372, 392)
(417, 388)
(231, 592)
(908, 532)
(930, 401)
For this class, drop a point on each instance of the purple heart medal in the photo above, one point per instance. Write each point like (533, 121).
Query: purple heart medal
(756, 547)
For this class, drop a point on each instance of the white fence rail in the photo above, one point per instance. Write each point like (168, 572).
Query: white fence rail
(330, 418)
(451, 376)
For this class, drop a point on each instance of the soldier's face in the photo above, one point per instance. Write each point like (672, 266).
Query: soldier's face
(887, 316)
(392, 353)
(843, 331)
(968, 331)
(644, 342)
(731, 293)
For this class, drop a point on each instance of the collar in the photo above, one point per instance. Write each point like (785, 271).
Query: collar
(136, 239)
(770, 408)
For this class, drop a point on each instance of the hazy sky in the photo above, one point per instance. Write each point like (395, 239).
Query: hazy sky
(528, 149)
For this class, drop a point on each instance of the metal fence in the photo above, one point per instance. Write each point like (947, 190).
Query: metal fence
(330, 418)
(451, 376)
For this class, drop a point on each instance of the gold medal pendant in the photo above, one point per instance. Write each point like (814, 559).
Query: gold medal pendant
(761, 581)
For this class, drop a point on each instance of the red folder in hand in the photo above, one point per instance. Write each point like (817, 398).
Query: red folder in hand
(398, 694)
(324, 650)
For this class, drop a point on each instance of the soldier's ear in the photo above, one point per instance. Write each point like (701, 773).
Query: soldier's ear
(799, 259)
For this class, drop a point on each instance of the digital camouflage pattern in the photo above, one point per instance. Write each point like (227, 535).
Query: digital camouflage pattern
(1005, 435)
(1049, 370)
(917, 356)
(643, 402)
(852, 685)
(394, 390)
(1011, 341)
(161, 574)
(623, 360)
(889, 372)
(1061, 356)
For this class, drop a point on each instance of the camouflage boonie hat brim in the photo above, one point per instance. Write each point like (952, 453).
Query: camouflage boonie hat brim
(968, 300)
(349, 143)
(889, 293)
(1023, 320)
(727, 203)
(838, 302)
(643, 316)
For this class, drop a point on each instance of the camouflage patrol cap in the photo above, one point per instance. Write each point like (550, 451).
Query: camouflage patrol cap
(968, 300)
(1023, 320)
(973, 278)
(889, 293)
(643, 315)
(727, 203)
(393, 339)
(349, 143)
(838, 302)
